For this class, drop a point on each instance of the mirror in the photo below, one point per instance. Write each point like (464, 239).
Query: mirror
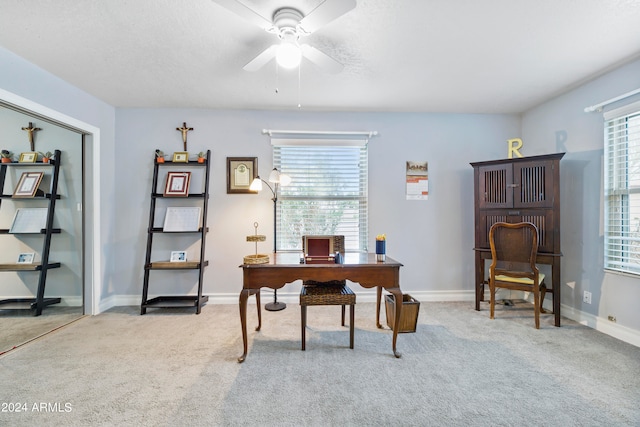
(18, 325)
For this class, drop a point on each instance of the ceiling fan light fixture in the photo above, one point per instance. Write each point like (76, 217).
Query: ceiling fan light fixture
(288, 55)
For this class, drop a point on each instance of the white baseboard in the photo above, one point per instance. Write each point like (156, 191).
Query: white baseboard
(605, 326)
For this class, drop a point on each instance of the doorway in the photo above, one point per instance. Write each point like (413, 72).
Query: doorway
(18, 324)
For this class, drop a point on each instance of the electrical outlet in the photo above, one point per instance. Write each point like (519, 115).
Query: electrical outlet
(586, 297)
(612, 319)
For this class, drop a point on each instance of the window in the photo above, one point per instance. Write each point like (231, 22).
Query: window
(622, 189)
(327, 194)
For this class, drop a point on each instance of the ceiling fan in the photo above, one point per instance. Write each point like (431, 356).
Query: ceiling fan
(289, 25)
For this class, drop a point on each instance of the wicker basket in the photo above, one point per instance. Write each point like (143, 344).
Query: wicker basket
(256, 259)
(409, 315)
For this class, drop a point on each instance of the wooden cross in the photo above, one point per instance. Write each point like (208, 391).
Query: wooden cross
(30, 130)
(184, 129)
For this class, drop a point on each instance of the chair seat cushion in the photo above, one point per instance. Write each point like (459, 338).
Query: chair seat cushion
(524, 280)
(327, 295)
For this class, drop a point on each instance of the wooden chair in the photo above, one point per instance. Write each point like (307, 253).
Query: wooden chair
(327, 295)
(335, 292)
(513, 266)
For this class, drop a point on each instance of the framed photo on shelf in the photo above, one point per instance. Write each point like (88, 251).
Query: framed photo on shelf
(241, 171)
(177, 184)
(28, 184)
(29, 157)
(178, 256)
(181, 157)
(26, 258)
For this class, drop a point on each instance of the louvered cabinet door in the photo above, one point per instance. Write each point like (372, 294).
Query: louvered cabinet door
(495, 186)
(533, 184)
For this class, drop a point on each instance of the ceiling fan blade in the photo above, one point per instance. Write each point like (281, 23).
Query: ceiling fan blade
(326, 12)
(246, 12)
(261, 60)
(321, 59)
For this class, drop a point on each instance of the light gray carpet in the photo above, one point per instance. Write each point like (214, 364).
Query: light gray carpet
(172, 367)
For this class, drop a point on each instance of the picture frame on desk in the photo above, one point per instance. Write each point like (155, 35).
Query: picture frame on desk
(241, 171)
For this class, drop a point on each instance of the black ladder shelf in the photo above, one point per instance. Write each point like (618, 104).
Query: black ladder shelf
(173, 301)
(38, 303)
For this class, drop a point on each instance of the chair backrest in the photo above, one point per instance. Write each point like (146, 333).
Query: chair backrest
(336, 243)
(514, 248)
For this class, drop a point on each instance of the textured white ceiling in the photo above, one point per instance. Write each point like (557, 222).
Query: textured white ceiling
(469, 56)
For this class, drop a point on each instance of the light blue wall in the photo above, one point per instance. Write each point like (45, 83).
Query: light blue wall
(562, 125)
(424, 235)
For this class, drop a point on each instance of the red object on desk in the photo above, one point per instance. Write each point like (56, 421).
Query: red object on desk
(319, 250)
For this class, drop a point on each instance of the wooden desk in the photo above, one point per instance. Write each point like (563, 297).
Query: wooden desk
(285, 267)
(541, 258)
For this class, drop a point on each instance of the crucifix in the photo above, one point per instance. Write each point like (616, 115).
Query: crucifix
(184, 129)
(30, 130)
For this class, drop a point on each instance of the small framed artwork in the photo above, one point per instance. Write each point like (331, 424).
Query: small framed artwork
(29, 157)
(177, 184)
(241, 171)
(178, 256)
(181, 157)
(28, 184)
(26, 258)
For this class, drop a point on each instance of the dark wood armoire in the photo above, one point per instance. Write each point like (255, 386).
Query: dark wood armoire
(516, 190)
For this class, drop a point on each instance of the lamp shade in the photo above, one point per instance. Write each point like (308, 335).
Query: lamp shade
(285, 180)
(274, 176)
(256, 184)
(278, 177)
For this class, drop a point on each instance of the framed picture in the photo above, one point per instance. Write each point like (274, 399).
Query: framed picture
(181, 157)
(178, 256)
(241, 171)
(28, 184)
(29, 157)
(177, 184)
(26, 258)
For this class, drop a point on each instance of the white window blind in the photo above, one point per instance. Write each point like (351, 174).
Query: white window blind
(622, 189)
(328, 191)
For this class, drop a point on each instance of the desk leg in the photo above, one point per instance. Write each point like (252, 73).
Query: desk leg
(244, 295)
(378, 299)
(257, 292)
(397, 294)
